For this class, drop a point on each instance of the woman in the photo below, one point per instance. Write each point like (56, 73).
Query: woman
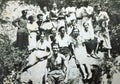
(102, 31)
(33, 30)
(79, 51)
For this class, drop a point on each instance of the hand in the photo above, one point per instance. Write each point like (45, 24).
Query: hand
(24, 70)
(66, 80)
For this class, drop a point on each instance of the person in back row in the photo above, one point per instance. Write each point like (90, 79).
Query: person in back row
(102, 32)
(33, 31)
(22, 32)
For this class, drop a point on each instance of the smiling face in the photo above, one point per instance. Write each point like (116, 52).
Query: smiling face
(55, 48)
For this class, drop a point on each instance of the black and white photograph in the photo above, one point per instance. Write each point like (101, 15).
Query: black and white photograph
(59, 41)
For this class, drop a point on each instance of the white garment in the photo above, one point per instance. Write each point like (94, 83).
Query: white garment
(41, 65)
(32, 35)
(45, 15)
(46, 25)
(80, 51)
(63, 42)
(71, 11)
(61, 23)
(86, 35)
(79, 21)
(43, 45)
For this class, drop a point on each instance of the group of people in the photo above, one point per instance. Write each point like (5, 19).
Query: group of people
(57, 35)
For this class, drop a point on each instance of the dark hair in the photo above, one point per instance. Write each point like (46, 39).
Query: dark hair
(75, 29)
(24, 11)
(84, 24)
(86, 3)
(55, 44)
(60, 28)
(31, 18)
(39, 15)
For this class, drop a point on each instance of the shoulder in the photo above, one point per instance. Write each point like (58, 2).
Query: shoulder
(103, 12)
(62, 56)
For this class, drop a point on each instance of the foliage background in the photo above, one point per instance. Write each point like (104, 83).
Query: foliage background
(11, 57)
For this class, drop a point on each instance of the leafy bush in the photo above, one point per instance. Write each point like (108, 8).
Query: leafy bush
(11, 58)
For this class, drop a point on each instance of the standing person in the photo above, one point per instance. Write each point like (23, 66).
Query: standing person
(102, 31)
(33, 30)
(40, 22)
(46, 13)
(56, 67)
(79, 16)
(22, 33)
(87, 14)
(71, 11)
(54, 10)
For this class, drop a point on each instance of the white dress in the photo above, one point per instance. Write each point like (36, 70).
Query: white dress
(80, 50)
(41, 65)
(32, 36)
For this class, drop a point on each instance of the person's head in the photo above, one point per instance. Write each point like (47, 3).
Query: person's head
(62, 30)
(97, 8)
(45, 8)
(54, 31)
(86, 26)
(54, 5)
(73, 22)
(55, 48)
(42, 36)
(75, 32)
(85, 3)
(40, 17)
(24, 12)
(31, 18)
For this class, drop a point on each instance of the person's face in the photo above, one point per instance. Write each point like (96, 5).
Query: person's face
(40, 18)
(73, 22)
(45, 8)
(42, 38)
(98, 9)
(32, 19)
(55, 49)
(86, 25)
(54, 31)
(54, 5)
(62, 31)
(76, 33)
(24, 13)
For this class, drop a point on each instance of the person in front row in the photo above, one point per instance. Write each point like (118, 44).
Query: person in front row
(56, 67)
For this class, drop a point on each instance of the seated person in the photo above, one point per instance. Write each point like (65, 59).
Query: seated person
(56, 67)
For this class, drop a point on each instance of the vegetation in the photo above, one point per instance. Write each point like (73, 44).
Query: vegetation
(12, 58)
